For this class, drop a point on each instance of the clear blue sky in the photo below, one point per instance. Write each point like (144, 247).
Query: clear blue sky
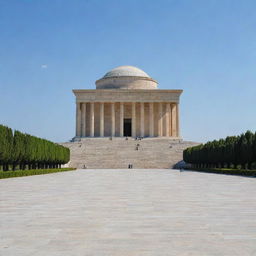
(207, 48)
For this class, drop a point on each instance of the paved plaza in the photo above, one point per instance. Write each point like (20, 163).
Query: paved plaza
(128, 213)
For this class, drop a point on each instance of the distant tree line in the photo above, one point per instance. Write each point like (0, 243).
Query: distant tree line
(25, 151)
(231, 152)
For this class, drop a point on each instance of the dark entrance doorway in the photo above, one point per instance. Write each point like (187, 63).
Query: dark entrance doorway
(128, 127)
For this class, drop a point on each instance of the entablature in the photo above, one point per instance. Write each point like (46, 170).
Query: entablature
(129, 95)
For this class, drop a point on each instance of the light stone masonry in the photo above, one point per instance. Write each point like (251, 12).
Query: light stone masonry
(151, 116)
(134, 120)
(121, 89)
(121, 118)
(118, 152)
(102, 119)
(92, 119)
(128, 213)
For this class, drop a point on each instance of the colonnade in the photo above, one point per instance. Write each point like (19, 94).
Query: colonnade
(167, 117)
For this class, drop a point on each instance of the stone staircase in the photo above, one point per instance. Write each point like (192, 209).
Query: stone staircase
(118, 153)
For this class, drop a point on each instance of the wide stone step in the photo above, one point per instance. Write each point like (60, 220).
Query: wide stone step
(119, 152)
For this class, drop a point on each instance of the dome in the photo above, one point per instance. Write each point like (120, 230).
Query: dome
(126, 77)
(126, 71)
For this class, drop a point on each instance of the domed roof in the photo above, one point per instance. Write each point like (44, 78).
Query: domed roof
(126, 77)
(126, 71)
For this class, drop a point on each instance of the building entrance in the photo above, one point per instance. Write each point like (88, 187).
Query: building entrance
(128, 127)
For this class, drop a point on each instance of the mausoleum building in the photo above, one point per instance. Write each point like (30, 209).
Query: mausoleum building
(127, 102)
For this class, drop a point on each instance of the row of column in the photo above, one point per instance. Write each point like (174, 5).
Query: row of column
(171, 117)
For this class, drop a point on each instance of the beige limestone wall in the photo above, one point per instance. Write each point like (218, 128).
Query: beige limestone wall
(127, 95)
(88, 120)
(107, 120)
(97, 119)
(126, 83)
(156, 117)
(78, 119)
(174, 120)
(167, 121)
(146, 119)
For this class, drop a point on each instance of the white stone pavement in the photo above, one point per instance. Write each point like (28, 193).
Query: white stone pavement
(128, 212)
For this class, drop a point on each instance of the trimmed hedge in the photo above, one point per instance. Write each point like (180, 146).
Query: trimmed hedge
(240, 172)
(20, 173)
(23, 151)
(231, 152)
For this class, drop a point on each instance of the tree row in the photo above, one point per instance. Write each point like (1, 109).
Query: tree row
(233, 151)
(22, 150)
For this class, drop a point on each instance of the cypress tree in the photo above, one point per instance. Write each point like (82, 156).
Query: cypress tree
(6, 140)
(248, 149)
(241, 150)
(229, 150)
(18, 149)
(254, 148)
(234, 150)
(27, 150)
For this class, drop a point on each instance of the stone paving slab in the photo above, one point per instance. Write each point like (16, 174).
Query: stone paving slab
(128, 212)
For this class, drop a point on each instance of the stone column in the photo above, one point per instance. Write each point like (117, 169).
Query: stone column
(92, 119)
(142, 121)
(101, 119)
(78, 119)
(177, 120)
(167, 118)
(174, 123)
(160, 119)
(121, 119)
(151, 119)
(113, 119)
(83, 119)
(134, 119)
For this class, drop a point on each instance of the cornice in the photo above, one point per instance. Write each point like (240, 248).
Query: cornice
(127, 90)
(120, 77)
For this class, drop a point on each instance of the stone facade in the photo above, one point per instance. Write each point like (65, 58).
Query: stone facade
(127, 103)
(126, 82)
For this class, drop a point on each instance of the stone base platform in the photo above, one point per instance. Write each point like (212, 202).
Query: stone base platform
(104, 153)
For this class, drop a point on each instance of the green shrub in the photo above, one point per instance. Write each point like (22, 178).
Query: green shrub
(20, 173)
(242, 172)
(26, 151)
(233, 151)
